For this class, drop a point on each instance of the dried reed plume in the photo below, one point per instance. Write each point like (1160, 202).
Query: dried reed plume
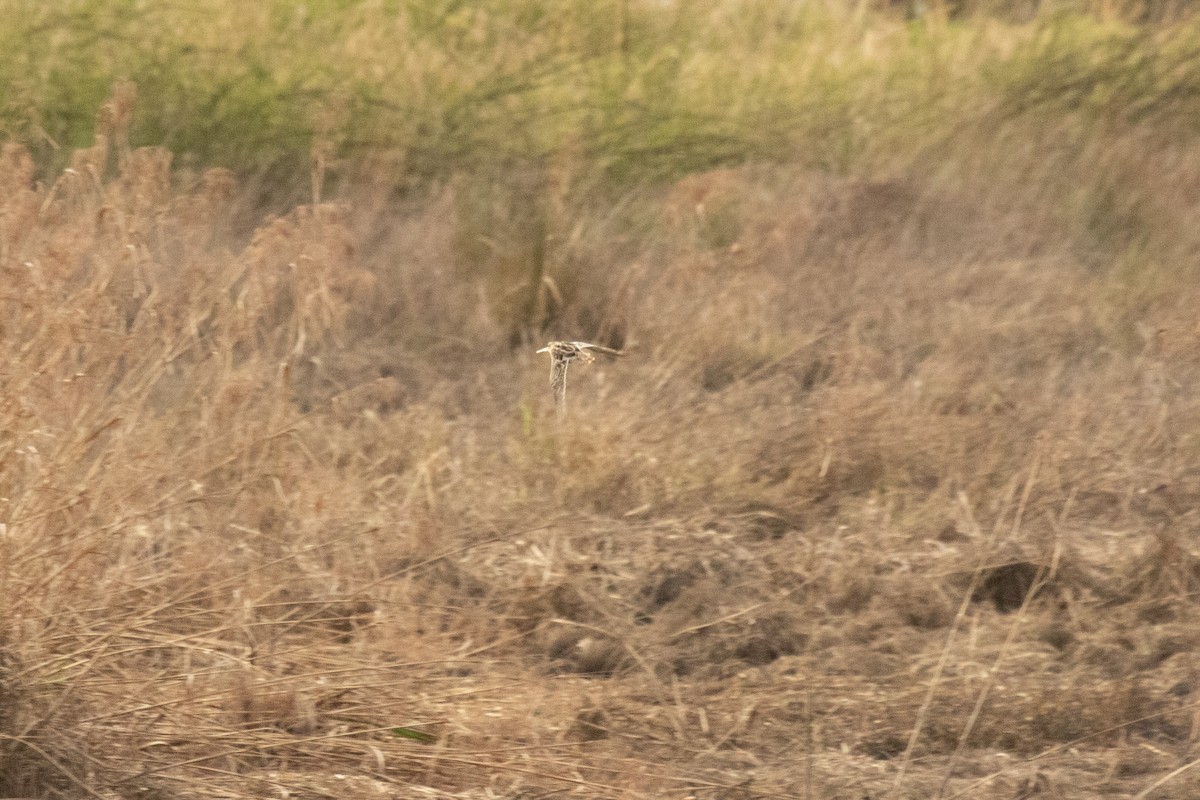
(561, 356)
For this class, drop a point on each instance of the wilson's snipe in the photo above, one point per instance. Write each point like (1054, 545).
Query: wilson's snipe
(561, 356)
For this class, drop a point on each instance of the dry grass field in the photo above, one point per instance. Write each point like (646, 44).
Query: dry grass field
(893, 495)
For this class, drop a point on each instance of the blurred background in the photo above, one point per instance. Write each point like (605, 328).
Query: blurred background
(893, 493)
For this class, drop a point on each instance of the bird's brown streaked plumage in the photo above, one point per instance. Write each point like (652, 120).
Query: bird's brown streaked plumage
(561, 356)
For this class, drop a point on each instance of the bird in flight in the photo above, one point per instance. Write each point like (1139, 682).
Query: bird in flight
(561, 356)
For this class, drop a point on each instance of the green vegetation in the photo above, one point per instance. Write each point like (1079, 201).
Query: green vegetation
(638, 91)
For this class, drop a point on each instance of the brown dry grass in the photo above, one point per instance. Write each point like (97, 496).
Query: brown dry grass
(274, 503)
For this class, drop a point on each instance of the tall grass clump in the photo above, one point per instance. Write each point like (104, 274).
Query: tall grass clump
(165, 559)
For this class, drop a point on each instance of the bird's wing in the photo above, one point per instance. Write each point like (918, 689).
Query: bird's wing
(598, 348)
(558, 374)
(558, 384)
